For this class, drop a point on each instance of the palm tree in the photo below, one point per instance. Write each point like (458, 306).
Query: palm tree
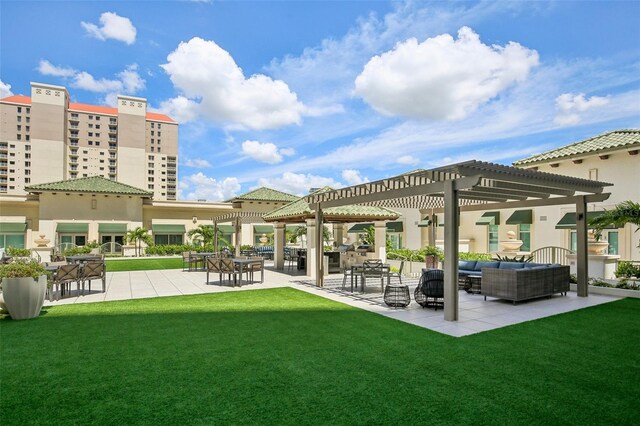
(205, 234)
(623, 213)
(138, 236)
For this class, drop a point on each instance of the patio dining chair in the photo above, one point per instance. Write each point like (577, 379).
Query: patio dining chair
(94, 271)
(373, 268)
(399, 273)
(63, 277)
(214, 265)
(227, 267)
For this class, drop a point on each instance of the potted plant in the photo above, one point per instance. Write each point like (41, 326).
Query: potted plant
(432, 256)
(23, 284)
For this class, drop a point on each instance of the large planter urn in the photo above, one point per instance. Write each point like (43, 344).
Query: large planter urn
(23, 297)
(511, 243)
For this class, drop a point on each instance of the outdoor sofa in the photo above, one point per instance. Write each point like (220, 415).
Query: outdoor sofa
(517, 281)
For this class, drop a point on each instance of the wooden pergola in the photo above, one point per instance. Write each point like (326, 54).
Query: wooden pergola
(468, 186)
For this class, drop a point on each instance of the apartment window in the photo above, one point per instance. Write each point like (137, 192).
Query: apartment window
(492, 237)
(97, 143)
(90, 126)
(85, 160)
(158, 141)
(101, 153)
(74, 115)
(27, 147)
(97, 135)
(159, 125)
(97, 126)
(151, 124)
(101, 168)
(150, 172)
(27, 172)
(90, 134)
(152, 132)
(85, 167)
(12, 179)
(19, 137)
(150, 157)
(27, 163)
(151, 139)
(18, 119)
(150, 186)
(19, 110)
(85, 151)
(28, 128)
(19, 128)
(27, 137)
(28, 119)
(27, 180)
(524, 234)
(97, 119)
(112, 121)
(84, 175)
(91, 117)
(150, 164)
(90, 142)
(152, 150)
(12, 146)
(158, 149)
(28, 110)
(27, 155)
(159, 134)
(12, 154)
(149, 179)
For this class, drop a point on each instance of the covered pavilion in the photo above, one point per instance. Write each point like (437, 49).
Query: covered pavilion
(300, 212)
(466, 186)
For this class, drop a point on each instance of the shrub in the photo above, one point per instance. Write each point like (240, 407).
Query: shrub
(18, 252)
(474, 256)
(627, 270)
(521, 259)
(22, 269)
(72, 251)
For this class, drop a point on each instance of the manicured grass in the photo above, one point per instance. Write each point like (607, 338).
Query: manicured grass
(143, 264)
(282, 356)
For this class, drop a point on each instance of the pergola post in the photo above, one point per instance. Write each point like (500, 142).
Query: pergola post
(338, 233)
(433, 229)
(278, 244)
(380, 240)
(581, 248)
(451, 232)
(311, 249)
(238, 236)
(319, 247)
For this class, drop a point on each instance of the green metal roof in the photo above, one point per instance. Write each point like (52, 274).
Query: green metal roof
(12, 228)
(489, 218)
(72, 228)
(520, 217)
(299, 210)
(92, 184)
(112, 228)
(266, 194)
(361, 227)
(424, 223)
(226, 229)
(263, 229)
(604, 142)
(168, 229)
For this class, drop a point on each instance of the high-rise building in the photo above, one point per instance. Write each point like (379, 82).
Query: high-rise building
(45, 138)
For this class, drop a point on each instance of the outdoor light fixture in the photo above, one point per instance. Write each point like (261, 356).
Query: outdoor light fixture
(195, 219)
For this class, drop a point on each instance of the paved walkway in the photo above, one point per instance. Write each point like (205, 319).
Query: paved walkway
(476, 314)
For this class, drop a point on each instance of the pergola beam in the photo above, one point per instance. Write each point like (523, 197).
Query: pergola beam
(558, 201)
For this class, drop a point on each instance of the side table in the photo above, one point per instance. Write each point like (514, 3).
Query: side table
(397, 295)
(474, 284)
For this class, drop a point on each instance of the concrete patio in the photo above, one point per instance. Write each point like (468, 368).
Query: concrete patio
(476, 314)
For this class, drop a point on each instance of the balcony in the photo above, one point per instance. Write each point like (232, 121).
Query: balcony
(113, 147)
(4, 156)
(73, 126)
(3, 164)
(113, 140)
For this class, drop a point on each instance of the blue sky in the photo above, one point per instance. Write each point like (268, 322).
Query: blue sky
(295, 95)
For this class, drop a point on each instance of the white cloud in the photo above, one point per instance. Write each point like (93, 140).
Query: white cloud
(207, 74)
(180, 108)
(263, 152)
(408, 160)
(569, 105)
(113, 27)
(202, 187)
(287, 152)
(299, 184)
(442, 78)
(128, 81)
(353, 177)
(47, 68)
(5, 89)
(197, 163)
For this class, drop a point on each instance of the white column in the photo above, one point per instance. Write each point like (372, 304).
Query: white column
(581, 252)
(238, 236)
(338, 233)
(381, 240)
(319, 247)
(311, 248)
(278, 244)
(451, 231)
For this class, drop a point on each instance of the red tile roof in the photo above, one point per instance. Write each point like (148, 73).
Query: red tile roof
(17, 99)
(26, 100)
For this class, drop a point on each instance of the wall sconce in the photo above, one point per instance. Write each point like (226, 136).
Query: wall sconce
(194, 219)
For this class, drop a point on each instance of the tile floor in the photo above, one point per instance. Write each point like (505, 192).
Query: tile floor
(476, 314)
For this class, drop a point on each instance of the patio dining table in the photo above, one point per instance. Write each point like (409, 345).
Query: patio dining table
(243, 263)
(203, 255)
(83, 258)
(358, 269)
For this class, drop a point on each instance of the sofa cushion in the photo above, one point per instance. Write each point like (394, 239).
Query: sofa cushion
(511, 265)
(468, 265)
(467, 271)
(533, 265)
(481, 264)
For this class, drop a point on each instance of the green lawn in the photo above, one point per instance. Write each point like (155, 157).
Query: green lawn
(283, 356)
(144, 264)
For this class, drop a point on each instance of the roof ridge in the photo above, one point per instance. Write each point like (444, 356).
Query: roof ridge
(47, 185)
(548, 155)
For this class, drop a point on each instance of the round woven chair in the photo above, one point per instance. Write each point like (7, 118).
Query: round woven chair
(430, 290)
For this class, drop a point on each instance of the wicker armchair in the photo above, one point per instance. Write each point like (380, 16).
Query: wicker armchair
(431, 286)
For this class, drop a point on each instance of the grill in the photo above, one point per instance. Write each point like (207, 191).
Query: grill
(365, 248)
(343, 248)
